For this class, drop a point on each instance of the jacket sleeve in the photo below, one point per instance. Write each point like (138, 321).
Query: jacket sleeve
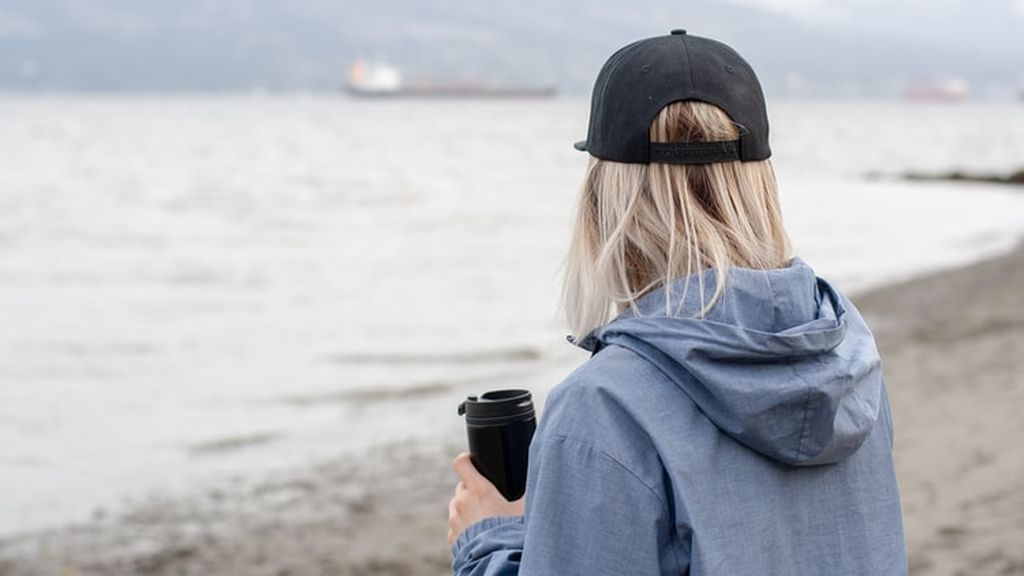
(586, 513)
(490, 547)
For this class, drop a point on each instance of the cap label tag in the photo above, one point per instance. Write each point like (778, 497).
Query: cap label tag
(695, 152)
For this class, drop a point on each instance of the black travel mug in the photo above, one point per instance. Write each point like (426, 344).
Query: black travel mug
(500, 425)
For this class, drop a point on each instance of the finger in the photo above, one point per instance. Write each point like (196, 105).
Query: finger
(453, 522)
(467, 472)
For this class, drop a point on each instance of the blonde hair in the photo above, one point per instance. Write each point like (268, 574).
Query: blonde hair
(639, 226)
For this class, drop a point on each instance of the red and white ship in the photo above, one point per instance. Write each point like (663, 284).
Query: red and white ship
(948, 90)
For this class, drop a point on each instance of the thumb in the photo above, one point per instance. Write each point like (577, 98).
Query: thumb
(467, 472)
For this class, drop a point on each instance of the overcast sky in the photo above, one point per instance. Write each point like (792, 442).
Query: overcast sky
(810, 47)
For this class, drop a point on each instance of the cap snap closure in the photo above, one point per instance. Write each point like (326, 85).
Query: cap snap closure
(678, 32)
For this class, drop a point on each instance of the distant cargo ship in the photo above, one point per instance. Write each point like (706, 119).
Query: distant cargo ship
(379, 80)
(950, 90)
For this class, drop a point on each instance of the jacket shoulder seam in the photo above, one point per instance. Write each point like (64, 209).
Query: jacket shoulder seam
(591, 446)
(664, 505)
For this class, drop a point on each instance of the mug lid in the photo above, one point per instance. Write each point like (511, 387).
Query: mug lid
(497, 405)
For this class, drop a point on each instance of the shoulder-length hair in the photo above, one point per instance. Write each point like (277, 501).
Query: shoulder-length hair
(640, 226)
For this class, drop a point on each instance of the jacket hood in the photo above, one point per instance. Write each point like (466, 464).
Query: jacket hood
(783, 363)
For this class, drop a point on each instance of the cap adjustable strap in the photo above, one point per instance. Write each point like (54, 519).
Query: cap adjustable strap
(695, 152)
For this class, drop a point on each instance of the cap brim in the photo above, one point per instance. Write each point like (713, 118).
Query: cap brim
(581, 145)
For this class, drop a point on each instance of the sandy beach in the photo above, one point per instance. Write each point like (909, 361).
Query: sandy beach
(952, 346)
(953, 350)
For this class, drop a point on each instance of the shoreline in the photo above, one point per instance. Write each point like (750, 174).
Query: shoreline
(952, 344)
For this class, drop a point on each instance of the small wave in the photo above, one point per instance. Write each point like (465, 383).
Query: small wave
(232, 443)
(371, 394)
(124, 348)
(515, 354)
(384, 393)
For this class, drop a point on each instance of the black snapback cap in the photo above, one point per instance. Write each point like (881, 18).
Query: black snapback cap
(641, 78)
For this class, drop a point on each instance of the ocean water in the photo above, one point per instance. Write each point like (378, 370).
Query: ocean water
(198, 288)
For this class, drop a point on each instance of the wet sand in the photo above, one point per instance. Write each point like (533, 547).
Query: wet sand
(953, 351)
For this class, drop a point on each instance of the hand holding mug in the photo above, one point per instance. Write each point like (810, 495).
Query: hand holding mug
(475, 499)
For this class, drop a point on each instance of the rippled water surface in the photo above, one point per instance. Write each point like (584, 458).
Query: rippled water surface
(192, 288)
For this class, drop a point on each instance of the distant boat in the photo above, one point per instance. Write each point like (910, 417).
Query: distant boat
(949, 90)
(381, 80)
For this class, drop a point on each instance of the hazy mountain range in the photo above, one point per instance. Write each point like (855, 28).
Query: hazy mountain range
(801, 47)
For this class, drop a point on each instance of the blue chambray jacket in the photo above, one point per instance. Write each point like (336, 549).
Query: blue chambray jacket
(754, 441)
